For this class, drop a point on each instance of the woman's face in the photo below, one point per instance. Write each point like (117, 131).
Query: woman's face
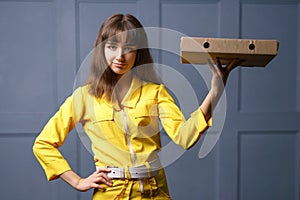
(120, 56)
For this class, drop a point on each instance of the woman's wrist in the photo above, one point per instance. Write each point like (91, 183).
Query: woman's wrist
(72, 179)
(213, 93)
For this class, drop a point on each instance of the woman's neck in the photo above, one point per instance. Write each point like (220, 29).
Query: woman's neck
(123, 86)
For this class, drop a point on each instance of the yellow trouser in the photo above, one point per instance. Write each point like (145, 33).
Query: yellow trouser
(130, 189)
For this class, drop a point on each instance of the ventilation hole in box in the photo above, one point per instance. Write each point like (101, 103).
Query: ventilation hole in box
(251, 46)
(206, 45)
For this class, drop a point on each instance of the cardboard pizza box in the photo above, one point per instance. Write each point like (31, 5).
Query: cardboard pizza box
(197, 50)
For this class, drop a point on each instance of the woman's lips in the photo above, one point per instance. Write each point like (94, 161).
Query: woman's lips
(119, 65)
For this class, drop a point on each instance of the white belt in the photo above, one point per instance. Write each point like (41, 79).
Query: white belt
(137, 172)
(134, 173)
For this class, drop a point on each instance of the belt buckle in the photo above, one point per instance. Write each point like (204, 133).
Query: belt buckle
(116, 172)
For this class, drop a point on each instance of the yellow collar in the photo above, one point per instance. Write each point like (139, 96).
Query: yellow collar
(131, 98)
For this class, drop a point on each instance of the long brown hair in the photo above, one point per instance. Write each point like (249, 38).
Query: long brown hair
(102, 79)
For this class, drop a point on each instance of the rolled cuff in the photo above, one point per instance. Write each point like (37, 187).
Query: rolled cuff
(55, 169)
(200, 123)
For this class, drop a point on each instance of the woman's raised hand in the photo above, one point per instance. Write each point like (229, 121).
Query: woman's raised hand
(220, 74)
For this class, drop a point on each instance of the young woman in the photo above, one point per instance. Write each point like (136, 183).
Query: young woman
(120, 110)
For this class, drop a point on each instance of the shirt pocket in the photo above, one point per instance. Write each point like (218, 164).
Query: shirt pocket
(146, 120)
(103, 125)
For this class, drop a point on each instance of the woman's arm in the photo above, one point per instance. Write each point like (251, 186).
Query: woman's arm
(220, 75)
(54, 133)
(187, 132)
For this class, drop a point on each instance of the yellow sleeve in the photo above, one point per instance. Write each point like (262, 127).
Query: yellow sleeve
(183, 132)
(53, 135)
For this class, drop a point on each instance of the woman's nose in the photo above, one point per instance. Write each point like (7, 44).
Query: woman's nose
(120, 54)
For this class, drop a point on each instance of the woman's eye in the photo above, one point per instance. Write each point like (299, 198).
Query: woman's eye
(112, 47)
(128, 49)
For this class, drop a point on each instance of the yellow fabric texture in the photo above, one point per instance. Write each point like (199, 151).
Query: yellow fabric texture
(145, 106)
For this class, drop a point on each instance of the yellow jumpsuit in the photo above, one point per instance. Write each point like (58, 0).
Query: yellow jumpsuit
(120, 137)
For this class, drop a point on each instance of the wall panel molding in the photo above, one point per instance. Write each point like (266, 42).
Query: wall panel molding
(257, 90)
(270, 1)
(27, 1)
(298, 59)
(265, 121)
(18, 163)
(188, 1)
(271, 157)
(28, 68)
(65, 38)
(107, 1)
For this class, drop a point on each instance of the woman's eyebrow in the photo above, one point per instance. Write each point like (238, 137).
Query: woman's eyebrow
(118, 43)
(130, 44)
(111, 42)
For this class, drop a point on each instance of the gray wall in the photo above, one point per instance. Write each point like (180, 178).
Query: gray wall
(43, 42)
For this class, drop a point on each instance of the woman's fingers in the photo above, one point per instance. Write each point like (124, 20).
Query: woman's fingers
(102, 169)
(98, 186)
(101, 174)
(221, 72)
(95, 180)
(219, 64)
(104, 179)
(233, 64)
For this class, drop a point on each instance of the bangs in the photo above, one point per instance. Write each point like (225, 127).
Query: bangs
(124, 32)
(127, 37)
